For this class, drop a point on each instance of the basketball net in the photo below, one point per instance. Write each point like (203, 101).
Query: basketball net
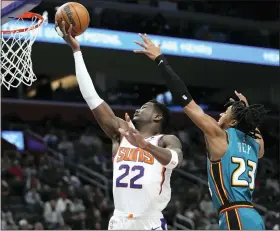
(16, 48)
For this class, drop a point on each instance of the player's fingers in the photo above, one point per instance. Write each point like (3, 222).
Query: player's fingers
(70, 29)
(122, 131)
(127, 118)
(58, 31)
(149, 41)
(63, 28)
(231, 100)
(237, 93)
(140, 51)
(140, 44)
(130, 130)
(144, 38)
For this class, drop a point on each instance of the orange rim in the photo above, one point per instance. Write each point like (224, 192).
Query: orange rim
(26, 15)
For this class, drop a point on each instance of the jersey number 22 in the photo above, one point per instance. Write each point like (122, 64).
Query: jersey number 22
(235, 179)
(132, 183)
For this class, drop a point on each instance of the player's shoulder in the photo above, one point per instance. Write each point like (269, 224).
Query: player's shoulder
(168, 139)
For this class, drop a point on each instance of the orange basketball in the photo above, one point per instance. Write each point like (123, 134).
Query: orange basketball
(73, 13)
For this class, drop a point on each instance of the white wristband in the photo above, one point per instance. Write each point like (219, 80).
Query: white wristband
(174, 160)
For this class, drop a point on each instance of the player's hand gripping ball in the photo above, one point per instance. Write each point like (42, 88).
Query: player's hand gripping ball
(73, 13)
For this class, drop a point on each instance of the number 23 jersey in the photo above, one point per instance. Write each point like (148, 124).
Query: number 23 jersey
(141, 185)
(232, 179)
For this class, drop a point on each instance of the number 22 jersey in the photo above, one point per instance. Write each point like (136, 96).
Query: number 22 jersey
(141, 185)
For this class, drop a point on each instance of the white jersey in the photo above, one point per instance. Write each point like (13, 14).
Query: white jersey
(141, 185)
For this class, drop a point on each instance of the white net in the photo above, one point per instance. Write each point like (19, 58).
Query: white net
(16, 48)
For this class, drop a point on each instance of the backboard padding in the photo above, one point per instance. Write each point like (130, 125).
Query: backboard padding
(14, 8)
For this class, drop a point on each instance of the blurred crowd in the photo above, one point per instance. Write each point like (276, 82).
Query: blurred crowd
(40, 192)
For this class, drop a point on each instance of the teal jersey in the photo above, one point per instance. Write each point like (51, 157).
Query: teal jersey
(232, 179)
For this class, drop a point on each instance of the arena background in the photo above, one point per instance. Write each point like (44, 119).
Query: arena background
(56, 162)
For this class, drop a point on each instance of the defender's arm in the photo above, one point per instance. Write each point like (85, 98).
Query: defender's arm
(181, 95)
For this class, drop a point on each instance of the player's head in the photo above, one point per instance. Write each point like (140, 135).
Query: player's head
(243, 118)
(154, 113)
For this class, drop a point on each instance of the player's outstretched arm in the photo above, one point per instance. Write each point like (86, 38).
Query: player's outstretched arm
(168, 153)
(100, 109)
(179, 91)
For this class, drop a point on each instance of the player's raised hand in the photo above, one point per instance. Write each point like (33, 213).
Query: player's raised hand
(132, 135)
(150, 49)
(242, 98)
(67, 35)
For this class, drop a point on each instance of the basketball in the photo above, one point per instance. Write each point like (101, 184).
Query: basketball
(73, 13)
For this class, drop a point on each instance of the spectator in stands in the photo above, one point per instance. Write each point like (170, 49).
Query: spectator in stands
(24, 225)
(78, 206)
(68, 214)
(51, 137)
(272, 221)
(4, 188)
(33, 200)
(53, 218)
(97, 226)
(30, 170)
(91, 140)
(71, 179)
(66, 146)
(33, 183)
(97, 217)
(273, 184)
(38, 226)
(276, 222)
(62, 201)
(5, 161)
(16, 170)
(7, 220)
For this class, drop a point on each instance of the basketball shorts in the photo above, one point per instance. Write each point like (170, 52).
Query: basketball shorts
(138, 223)
(241, 219)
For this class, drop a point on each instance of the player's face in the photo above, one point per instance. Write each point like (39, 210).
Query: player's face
(145, 113)
(226, 120)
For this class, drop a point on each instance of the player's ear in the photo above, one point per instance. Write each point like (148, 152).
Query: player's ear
(233, 123)
(157, 117)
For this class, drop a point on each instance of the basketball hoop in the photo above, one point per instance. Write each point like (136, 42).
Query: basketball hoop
(16, 47)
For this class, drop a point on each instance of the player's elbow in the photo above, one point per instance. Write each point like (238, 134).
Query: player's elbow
(180, 158)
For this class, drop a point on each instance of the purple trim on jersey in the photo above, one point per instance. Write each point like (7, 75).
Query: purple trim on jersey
(163, 179)
(163, 223)
(159, 139)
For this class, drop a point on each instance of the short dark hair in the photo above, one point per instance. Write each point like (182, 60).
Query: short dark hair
(166, 114)
(248, 118)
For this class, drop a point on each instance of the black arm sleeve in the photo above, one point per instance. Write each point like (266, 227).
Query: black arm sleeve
(176, 86)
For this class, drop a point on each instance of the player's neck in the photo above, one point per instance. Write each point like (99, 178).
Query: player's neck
(147, 130)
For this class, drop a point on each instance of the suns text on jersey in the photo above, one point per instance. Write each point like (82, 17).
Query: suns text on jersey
(134, 155)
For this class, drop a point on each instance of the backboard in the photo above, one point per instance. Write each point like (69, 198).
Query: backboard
(14, 8)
